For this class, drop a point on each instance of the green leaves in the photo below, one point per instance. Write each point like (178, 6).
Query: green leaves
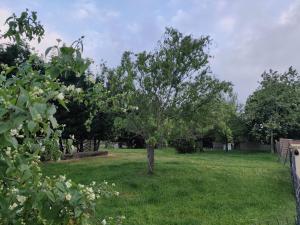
(25, 26)
(29, 130)
(273, 107)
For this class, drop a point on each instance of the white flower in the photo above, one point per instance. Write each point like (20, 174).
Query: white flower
(8, 151)
(113, 184)
(71, 87)
(91, 196)
(21, 199)
(68, 184)
(72, 136)
(89, 190)
(117, 193)
(13, 206)
(60, 96)
(14, 190)
(91, 79)
(105, 182)
(37, 91)
(103, 222)
(62, 177)
(68, 197)
(14, 132)
(78, 90)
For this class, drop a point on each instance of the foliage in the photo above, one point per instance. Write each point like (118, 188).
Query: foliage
(202, 109)
(184, 145)
(273, 109)
(27, 127)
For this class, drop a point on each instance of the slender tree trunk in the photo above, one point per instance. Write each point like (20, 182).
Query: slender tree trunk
(226, 144)
(272, 142)
(98, 144)
(95, 144)
(61, 145)
(81, 145)
(201, 144)
(150, 156)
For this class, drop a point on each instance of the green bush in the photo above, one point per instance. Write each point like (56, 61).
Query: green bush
(29, 131)
(184, 145)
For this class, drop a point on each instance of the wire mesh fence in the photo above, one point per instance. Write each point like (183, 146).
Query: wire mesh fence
(276, 221)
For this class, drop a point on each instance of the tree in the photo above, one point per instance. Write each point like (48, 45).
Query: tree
(157, 82)
(225, 120)
(273, 110)
(200, 108)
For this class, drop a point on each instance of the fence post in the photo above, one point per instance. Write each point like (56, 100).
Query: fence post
(294, 162)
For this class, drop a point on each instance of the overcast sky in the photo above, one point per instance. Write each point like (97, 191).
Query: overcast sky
(249, 36)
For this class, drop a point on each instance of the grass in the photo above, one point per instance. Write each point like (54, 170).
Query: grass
(214, 188)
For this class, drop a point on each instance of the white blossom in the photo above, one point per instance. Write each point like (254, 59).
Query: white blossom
(68, 197)
(60, 96)
(78, 90)
(91, 79)
(71, 87)
(21, 199)
(103, 222)
(68, 184)
(14, 132)
(13, 206)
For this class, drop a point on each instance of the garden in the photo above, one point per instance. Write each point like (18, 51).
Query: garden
(166, 101)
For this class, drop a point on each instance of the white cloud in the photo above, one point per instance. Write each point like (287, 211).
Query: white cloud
(88, 9)
(227, 24)
(259, 47)
(4, 14)
(288, 16)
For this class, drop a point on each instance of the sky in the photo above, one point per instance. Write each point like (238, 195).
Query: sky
(248, 36)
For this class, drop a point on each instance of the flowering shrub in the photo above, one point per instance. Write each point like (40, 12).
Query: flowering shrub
(29, 130)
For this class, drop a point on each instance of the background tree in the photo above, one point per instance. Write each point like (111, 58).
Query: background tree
(273, 110)
(199, 109)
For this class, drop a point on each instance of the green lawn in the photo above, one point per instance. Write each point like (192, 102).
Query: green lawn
(203, 188)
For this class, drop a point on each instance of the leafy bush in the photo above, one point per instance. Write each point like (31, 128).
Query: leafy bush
(29, 130)
(184, 145)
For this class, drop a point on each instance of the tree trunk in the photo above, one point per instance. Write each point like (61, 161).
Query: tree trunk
(81, 146)
(226, 144)
(95, 144)
(201, 144)
(272, 142)
(150, 156)
(61, 146)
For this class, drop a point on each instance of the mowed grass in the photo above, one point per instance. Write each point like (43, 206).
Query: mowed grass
(203, 188)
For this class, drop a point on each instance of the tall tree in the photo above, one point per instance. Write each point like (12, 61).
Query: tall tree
(157, 83)
(273, 110)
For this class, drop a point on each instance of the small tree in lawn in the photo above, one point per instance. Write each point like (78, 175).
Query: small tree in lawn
(156, 83)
